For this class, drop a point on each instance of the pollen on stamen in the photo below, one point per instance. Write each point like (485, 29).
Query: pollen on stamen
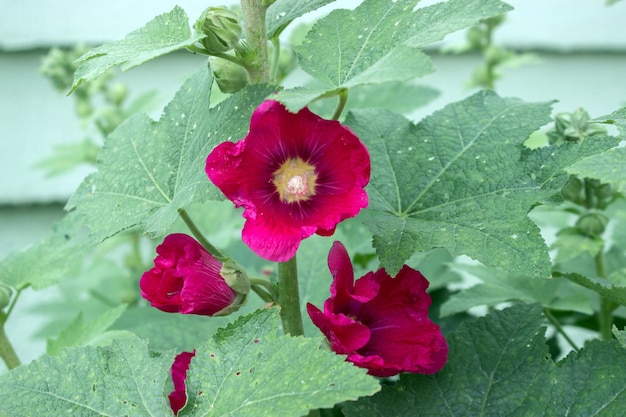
(297, 185)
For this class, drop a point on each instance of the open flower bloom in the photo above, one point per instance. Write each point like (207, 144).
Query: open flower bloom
(381, 323)
(178, 397)
(189, 280)
(295, 174)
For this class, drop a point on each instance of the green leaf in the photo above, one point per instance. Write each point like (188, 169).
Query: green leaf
(603, 287)
(471, 185)
(248, 370)
(434, 22)
(79, 333)
(282, 12)
(496, 367)
(591, 382)
(499, 286)
(617, 118)
(123, 379)
(165, 33)
(48, 261)
(377, 43)
(148, 170)
(608, 167)
(571, 243)
(468, 191)
(499, 366)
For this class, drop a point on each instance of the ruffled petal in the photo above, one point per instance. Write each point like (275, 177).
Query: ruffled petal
(272, 239)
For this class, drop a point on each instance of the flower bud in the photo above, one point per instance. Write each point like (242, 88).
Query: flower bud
(229, 76)
(475, 37)
(189, 280)
(117, 94)
(573, 190)
(592, 224)
(221, 27)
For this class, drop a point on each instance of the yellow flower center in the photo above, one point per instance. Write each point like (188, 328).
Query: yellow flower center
(295, 180)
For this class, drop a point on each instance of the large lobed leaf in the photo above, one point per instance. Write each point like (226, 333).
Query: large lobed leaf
(378, 42)
(164, 34)
(499, 366)
(124, 379)
(148, 170)
(248, 370)
(471, 182)
(283, 12)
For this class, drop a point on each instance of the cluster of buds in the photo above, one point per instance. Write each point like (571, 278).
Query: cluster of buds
(221, 29)
(572, 127)
(229, 55)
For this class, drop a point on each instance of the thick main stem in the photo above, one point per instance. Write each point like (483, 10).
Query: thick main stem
(289, 297)
(253, 12)
(7, 353)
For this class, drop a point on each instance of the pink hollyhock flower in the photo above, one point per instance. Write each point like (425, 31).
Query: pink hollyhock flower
(178, 397)
(380, 323)
(189, 280)
(295, 174)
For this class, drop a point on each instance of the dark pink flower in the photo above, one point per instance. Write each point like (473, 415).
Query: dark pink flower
(295, 174)
(187, 279)
(381, 323)
(178, 397)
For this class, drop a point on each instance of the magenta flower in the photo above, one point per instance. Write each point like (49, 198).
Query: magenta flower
(295, 174)
(178, 397)
(380, 323)
(189, 280)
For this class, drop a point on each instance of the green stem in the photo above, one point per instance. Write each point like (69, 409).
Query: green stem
(7, 353)
(199, 236)
(268, 287)
(253, 12)
(559, 328)
(228, 57)
(289, 297)
(5, 316)
(605, 316)
(262, 293)
(343, 99)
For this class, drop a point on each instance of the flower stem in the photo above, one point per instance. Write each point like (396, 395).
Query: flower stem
(289, 297)
(253, 12)
(7, 353)
(199, 236)
(559, 328)
(605, 315)
(343, 99)
(268, 288)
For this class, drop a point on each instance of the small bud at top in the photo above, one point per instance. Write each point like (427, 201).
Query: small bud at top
(221, 27)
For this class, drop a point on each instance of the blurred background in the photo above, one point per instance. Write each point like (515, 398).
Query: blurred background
(573, 51)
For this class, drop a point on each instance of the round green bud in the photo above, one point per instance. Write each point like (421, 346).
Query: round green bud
(84, 109)
(221, 27)
(573, 190)
(475, 37)
(117, 94)
(229, 76)
(592, 224)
